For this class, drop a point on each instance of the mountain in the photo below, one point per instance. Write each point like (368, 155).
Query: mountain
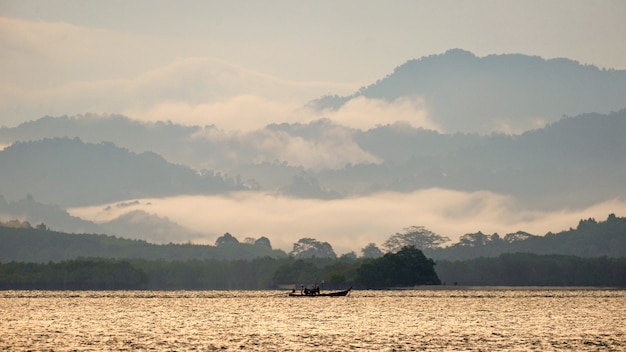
(576, 161)
(69, 172)
(167, 139)
(51, 216)
(132, 224)
(512, 92)
(41, 245)
(570, 151)
(141, 225)
(589, 239)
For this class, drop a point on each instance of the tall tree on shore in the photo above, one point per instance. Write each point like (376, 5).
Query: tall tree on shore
(416, 236)
(310, 247)
(407, 267)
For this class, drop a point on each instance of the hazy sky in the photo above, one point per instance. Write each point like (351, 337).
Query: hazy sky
(180, 58)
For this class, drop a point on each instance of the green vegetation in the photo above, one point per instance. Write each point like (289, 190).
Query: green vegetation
(259, 273)
(589, 239)
(407, 267)
(79, 274)
(41, 245)
(524, 269)
(38, 258)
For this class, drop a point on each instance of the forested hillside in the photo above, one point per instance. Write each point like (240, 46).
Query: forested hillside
(586, 150)
(40, 245)
(69, 172)
(466, 93)
(589, 239)
(593, 254)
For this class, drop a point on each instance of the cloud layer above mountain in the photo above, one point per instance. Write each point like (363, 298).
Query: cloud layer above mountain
(350, 224)
(212, 63)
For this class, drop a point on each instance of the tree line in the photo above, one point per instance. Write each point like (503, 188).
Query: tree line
(408, 267)
(259, 273)
(526, 269)
(23, 242)
(591, 238)
(574, 257)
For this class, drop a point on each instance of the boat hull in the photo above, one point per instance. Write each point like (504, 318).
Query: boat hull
(328, 294)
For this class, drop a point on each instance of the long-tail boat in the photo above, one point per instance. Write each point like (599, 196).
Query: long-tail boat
(315, 292)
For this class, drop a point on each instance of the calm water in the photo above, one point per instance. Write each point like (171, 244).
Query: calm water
(473, 319)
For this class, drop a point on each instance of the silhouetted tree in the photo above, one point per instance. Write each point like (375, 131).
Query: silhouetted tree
(310, 247)
(371, 251)
(407, 267)
(226, 239)
(348, 256)
(263, 242)
(416, 236)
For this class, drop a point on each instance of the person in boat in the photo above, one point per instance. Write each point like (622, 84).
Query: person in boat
(312, 291)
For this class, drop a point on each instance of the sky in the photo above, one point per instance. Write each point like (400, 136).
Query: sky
(194, 60)
(243, 64)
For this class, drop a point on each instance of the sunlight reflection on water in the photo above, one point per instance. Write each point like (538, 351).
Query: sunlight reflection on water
(486, 319)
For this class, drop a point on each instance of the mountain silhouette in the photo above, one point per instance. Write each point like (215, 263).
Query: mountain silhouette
(69, 172)
(504, 93)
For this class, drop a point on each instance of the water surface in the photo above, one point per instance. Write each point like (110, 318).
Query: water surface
(407, 320)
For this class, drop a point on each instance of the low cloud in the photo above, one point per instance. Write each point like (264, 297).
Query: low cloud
(349, 224)
(318, 145)
(75, 70)
(189, 91)
(239, 113)
(363, 113)
(253, 111)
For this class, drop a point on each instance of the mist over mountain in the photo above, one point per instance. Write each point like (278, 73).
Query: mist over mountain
(52, 216)
(504, 93)
(564, 151)
(575, 161)
(126, 221)
(69, 172)
(141, 225)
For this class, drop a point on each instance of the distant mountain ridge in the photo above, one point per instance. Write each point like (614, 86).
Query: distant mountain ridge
(590, 238)
(133, 224)
(52, 216)
(170, 140)
(29, 244)
(577, 160)
(466, 93)
(69, 172)
(574, 162)
(564, 148)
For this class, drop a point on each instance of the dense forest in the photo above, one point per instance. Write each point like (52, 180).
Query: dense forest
(524, 269)
(408, 267)
(99, 165)
(39, 244)
(593, 254)
(591, 238)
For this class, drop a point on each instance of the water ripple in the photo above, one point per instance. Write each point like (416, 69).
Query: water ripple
(402, 320)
